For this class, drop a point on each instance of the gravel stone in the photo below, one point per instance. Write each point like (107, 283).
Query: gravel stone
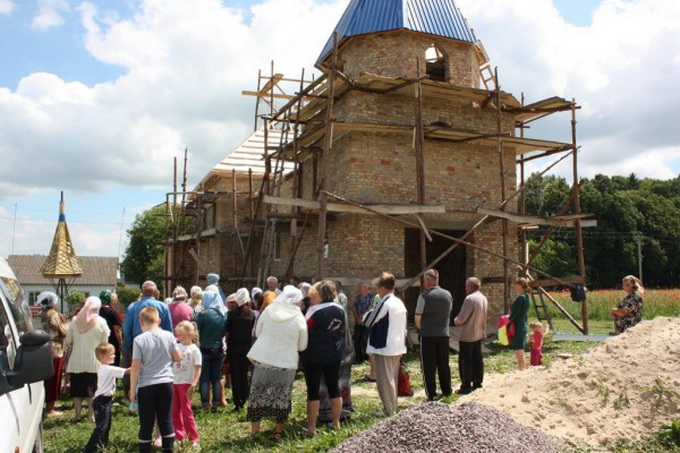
(462, 428)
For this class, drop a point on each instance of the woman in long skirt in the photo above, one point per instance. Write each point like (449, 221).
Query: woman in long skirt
(281, 334)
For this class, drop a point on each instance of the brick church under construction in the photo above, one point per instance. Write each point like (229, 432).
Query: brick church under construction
(403, 154)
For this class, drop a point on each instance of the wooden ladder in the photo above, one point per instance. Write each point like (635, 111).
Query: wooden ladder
(488, 77)
(541, 307)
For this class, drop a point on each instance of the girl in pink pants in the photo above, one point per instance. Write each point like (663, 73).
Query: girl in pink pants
(187, 375)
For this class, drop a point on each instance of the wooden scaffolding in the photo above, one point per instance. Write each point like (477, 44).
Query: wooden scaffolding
(299, 126)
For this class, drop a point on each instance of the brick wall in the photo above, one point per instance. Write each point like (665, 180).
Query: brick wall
(395, 54)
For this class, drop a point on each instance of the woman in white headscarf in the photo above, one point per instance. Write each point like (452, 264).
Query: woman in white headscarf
(86, 331)
(281, 334)
(54, 323)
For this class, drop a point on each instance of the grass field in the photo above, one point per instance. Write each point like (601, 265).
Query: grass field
(657, 302)
(226, 431)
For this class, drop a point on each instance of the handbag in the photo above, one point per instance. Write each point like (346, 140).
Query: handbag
(404, 386)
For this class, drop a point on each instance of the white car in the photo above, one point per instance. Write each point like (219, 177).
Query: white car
(25, 361)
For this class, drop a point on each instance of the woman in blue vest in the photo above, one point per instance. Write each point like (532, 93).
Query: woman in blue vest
(326, 327)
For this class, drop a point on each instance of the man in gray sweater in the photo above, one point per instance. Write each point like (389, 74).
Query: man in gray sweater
(433, 315)
(472, 322)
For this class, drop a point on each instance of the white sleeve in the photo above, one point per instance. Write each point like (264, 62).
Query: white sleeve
(198, 358)
(117, 372)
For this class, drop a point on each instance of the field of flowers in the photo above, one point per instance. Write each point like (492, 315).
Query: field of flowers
(657, 302)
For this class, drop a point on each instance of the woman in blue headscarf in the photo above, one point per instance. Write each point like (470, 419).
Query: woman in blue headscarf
(211, 329)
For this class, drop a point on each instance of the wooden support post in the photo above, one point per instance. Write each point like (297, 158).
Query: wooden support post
(418, 143)
(325, 161)
(251, 211)
(257, 100)
(523, 246)
(167, 248)
(577, 210)
(504, 222)
(184, 188)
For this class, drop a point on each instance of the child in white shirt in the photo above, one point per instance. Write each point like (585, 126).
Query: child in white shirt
(106, 387)
(187, 374)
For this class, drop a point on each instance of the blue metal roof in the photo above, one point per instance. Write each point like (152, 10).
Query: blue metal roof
(434, 17)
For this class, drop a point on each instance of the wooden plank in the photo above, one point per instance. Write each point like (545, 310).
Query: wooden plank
(276, 78)
(534, 220)
(341, 207)
(424, 228)
(548, 282)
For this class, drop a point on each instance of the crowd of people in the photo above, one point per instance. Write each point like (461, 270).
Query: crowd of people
(166, 350)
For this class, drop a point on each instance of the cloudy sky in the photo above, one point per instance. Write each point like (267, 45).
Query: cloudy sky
(97, 97)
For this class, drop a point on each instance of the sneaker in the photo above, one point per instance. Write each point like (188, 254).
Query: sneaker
(463, 391)
(195, 445)
(379, 414)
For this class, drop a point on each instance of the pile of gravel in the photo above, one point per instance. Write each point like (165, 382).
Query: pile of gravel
(469, 427)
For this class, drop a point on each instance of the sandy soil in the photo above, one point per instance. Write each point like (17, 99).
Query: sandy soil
(567, 400)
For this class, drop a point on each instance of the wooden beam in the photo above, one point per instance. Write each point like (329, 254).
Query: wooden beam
(424, 229)
(449, 237)
(548, 282)
(534, 220)
(342, 207)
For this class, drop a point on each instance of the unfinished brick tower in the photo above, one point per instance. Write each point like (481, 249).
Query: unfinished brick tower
(403, 146)
(386, 48)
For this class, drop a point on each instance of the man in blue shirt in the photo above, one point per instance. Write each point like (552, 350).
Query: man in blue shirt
(132, 326)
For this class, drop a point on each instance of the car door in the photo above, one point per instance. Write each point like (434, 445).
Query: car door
(20, 409)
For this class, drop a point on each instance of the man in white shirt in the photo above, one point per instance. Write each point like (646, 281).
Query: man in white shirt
(387, 340)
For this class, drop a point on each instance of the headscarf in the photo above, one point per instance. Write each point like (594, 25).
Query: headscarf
(267, 298)
(212, 299)
(212, 288)
(196, 292)
(290, 295)
(105, 297)
(212, 279)
(242, 297)
(87, 317)
(304, 288)
(231, 298)
(47, 299)
(255, 291)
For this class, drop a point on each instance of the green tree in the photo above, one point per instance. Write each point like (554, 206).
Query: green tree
(75, 299)
(144, 256)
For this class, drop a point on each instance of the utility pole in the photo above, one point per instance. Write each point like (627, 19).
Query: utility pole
(638, 237)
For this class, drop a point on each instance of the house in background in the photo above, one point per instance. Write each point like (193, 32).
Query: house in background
(99, 273)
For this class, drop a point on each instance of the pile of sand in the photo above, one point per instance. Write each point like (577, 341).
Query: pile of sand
(599, 397)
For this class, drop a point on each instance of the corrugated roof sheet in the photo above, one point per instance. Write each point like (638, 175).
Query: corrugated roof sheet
(97, 270)
(249, 156)
(434, 17)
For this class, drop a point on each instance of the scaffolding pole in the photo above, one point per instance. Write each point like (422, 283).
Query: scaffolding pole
(325, 160)
(577, 211)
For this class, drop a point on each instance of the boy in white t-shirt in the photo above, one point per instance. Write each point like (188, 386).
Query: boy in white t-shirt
(106, 387)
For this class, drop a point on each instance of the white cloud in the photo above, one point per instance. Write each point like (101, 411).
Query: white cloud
(6, 7)
(50, 14)
(186, 64)
(620, 69)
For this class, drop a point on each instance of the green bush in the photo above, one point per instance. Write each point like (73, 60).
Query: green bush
(126, 296)
(75, 299)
